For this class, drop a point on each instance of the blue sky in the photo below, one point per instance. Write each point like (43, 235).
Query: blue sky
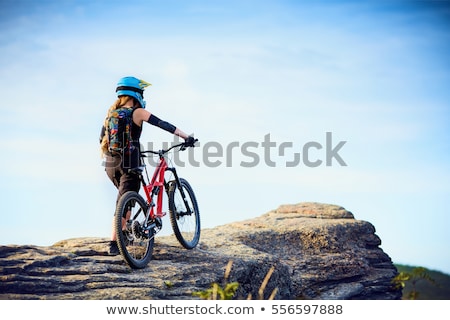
(373, 73)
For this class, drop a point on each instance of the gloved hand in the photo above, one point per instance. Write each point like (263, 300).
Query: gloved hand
(190, 141)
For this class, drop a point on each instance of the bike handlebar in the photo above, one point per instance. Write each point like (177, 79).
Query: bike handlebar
(182, 146)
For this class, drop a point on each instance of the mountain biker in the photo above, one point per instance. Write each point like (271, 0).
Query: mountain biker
(130, 94)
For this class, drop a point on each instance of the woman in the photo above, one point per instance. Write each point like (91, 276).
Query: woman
(130, 92)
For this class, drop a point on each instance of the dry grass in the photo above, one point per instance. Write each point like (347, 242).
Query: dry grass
(229, 289)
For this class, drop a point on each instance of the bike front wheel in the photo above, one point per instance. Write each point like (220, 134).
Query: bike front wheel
(135, 233)
(184, 214)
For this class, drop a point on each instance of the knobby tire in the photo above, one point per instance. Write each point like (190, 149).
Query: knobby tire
(135, 244)
(186, 227)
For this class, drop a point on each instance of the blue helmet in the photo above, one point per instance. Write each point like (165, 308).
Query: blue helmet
(131, 86)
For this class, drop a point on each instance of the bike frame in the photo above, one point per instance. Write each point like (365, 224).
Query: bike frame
(154, 187)
(158, 183)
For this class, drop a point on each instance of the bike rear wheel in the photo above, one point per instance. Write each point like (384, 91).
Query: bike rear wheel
(185, 223)
(135, 234)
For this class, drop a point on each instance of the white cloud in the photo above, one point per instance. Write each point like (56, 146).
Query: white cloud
(45, 158)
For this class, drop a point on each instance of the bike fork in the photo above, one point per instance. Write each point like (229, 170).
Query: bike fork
(178, 185)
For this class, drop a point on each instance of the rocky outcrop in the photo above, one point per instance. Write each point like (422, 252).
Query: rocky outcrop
(317, 251)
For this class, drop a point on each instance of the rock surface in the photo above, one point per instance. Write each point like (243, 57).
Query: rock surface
(318, 251)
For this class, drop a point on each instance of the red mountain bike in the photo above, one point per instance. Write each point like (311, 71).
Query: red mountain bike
(138, 220)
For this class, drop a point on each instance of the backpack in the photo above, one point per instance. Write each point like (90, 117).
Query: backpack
(119, 122)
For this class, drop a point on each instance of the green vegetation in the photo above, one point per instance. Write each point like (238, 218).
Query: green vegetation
(229, 289)
(216, 291)
(419, 283)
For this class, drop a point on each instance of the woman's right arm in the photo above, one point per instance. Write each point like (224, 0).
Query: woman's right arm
(140, 115)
